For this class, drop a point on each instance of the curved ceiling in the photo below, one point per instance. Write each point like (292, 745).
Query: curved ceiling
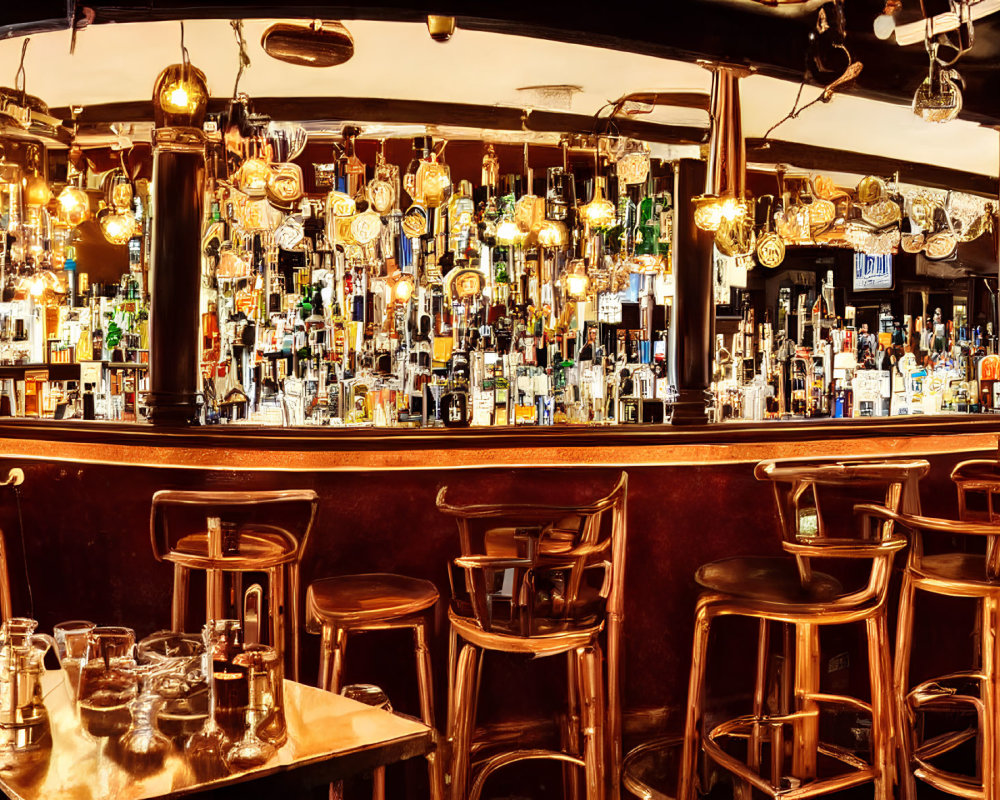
(118, 63)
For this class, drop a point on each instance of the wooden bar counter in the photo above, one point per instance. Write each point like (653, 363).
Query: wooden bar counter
(85, 504)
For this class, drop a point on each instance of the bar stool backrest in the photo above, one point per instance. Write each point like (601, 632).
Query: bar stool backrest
(546, 539)
(978, 485)
(814, 497)
(178, 513)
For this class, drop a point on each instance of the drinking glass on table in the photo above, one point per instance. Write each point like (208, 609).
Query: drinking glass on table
(71, 648)
(108, 681)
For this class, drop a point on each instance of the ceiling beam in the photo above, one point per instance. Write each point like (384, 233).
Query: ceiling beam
(378, 109)
(825, 159)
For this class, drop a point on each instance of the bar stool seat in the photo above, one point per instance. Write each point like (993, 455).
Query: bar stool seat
(767, 579)
(969, 568)
(540, 644)
(266, 548)
(349, 600)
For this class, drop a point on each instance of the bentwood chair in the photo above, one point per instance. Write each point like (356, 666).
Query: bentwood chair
(813, 500)
(236, 532)
(930, 745)
(541, 580)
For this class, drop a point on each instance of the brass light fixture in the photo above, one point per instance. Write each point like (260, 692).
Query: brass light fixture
(180, 96)
(724, 200)
(320, 43)
(440, 28)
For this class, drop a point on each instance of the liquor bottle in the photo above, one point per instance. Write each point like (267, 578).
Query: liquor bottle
(421, 152)
(350, 168)
(823, 315)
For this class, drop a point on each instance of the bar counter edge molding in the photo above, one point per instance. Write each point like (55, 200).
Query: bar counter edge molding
(298, 449)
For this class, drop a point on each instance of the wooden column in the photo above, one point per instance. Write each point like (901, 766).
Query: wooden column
(693, 313)
(175, 276)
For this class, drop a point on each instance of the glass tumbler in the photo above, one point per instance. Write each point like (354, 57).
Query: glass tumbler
(71, 648)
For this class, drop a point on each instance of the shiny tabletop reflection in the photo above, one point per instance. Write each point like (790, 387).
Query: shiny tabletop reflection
(322, 727)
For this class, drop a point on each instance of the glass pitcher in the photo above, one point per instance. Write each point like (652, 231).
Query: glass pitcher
(24, 720)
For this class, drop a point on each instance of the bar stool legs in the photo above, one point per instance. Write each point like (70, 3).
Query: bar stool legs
(686, 788)
(435, 761)
(805, 728)
(333, 652)
(178, 604)
(798, 707)
(588, 686)
(465, 695)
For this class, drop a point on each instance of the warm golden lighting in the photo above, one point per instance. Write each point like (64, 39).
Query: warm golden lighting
(402, 287)
(552, 234)
(36, 191)
(74, 206)
(37, 286)
(599, 212)
(709, 212)
(180, 97)
(118, 227)
(508, 233)
(576, 282)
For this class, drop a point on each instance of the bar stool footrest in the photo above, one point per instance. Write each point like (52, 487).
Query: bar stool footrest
(950, 782)
(947, 692)
(943, 743)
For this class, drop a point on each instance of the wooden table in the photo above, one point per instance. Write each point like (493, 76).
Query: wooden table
(329, 737)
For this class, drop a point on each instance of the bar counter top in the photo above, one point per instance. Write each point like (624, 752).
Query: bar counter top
(256, 448)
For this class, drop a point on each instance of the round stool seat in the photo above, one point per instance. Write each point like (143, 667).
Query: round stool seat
(968, 569)
(259, 548)
(356, 599)
(767, 579)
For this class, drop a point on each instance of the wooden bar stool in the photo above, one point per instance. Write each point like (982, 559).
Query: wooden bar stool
(550, 581)
(236, 532)
(809, 497)
(972, 572)
(347, 604)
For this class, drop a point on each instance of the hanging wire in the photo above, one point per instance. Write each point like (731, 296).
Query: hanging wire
(20, 77)
(244, 58)
(849, 74)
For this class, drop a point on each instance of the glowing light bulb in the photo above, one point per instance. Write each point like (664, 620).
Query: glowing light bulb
(74, 206)
(508, 233)
(37, 286)
(403, 289)
(710, 211)
(179, 97)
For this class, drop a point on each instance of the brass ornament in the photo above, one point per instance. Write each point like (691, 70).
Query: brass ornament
(922, 209)
(415, 221)
(940, 245)
(735, 237)
(284, 187)
(881, 214)
(912, 242)
(366, 227)
(871, 189)
(770, 250)
(821, 214)
(381, 195)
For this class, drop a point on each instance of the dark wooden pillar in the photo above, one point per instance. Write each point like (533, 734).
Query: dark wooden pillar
(693, 313)
(175, 279)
